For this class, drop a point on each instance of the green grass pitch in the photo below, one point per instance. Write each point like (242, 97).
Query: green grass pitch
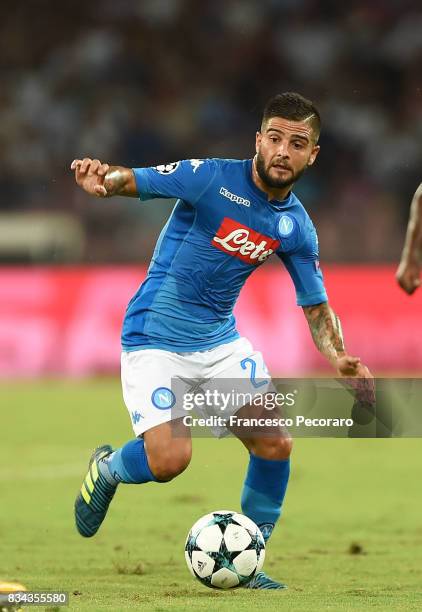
(350, 538)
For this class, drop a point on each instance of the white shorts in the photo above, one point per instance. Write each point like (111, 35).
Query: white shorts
(159, 386)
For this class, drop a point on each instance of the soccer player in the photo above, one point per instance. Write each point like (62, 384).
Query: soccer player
(230, 216)
(408, 272)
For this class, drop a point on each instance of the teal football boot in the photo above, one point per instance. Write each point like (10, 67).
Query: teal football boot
(262, 581)
(94, 498)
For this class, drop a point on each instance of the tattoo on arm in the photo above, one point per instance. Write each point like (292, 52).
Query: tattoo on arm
(120, 181)
(326, 330)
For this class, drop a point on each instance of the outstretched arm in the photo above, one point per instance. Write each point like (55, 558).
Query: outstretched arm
(103, 180)
(408, 272)
(327, 335)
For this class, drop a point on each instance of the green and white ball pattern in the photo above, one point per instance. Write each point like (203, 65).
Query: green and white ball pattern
(224, 549)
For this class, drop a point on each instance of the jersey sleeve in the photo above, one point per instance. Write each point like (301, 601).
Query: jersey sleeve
(187, 180)
(302, 263)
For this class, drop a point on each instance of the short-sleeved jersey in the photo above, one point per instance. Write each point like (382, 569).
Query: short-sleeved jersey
(221, 229)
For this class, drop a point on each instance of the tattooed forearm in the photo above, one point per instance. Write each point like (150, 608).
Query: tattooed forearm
(339, 329)
(326, 330)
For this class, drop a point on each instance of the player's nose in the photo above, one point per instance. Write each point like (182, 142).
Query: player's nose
(283, 149)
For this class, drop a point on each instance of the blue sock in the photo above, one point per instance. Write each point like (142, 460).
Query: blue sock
(128, 464)
(264, 490)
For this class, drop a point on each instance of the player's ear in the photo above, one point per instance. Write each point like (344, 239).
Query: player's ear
(313, 155)
(258, 139)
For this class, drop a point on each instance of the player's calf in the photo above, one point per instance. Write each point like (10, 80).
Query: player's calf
(266, 479)
(170, 464)
(168, 454)
(157, 457)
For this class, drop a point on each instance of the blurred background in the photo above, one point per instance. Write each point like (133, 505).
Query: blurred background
(143, 82)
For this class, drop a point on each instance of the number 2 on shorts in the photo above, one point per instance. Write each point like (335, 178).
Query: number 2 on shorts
(244, 363)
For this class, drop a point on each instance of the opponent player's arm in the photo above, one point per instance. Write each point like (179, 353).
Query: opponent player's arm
(103, 180)
(327, 335)
(408, 272)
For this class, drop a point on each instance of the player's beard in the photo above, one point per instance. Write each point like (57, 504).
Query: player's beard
(273, 182)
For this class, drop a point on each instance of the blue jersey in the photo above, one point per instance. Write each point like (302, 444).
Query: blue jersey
(221, 229)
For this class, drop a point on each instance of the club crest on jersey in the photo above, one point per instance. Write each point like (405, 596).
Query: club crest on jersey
(285, 226)
(243, 242)
(167, 168)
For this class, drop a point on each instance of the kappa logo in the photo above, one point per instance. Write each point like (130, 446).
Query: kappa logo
(233, 197)
(136, 417)
(243, 242)
(167, 168)
(195, 163)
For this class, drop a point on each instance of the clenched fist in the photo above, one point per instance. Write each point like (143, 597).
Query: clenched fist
(408, 276)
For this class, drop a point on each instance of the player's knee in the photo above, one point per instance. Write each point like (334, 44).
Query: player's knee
(276, 448)
(170, 463)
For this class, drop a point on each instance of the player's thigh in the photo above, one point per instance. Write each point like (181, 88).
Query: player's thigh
(253, 416)
(169, 449)
(147, 387)
(151, 402)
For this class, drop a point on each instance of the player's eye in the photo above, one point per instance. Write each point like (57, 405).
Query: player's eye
(273, 138)
(298, 145)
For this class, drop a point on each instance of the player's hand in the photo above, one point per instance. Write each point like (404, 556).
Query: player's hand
(90, 175)
(408, 276)
(357, 377)
(348, 365)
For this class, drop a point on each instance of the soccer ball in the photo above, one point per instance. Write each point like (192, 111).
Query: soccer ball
(224, 550)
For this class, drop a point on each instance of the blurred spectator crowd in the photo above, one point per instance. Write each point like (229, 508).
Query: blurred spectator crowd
(143, 82)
